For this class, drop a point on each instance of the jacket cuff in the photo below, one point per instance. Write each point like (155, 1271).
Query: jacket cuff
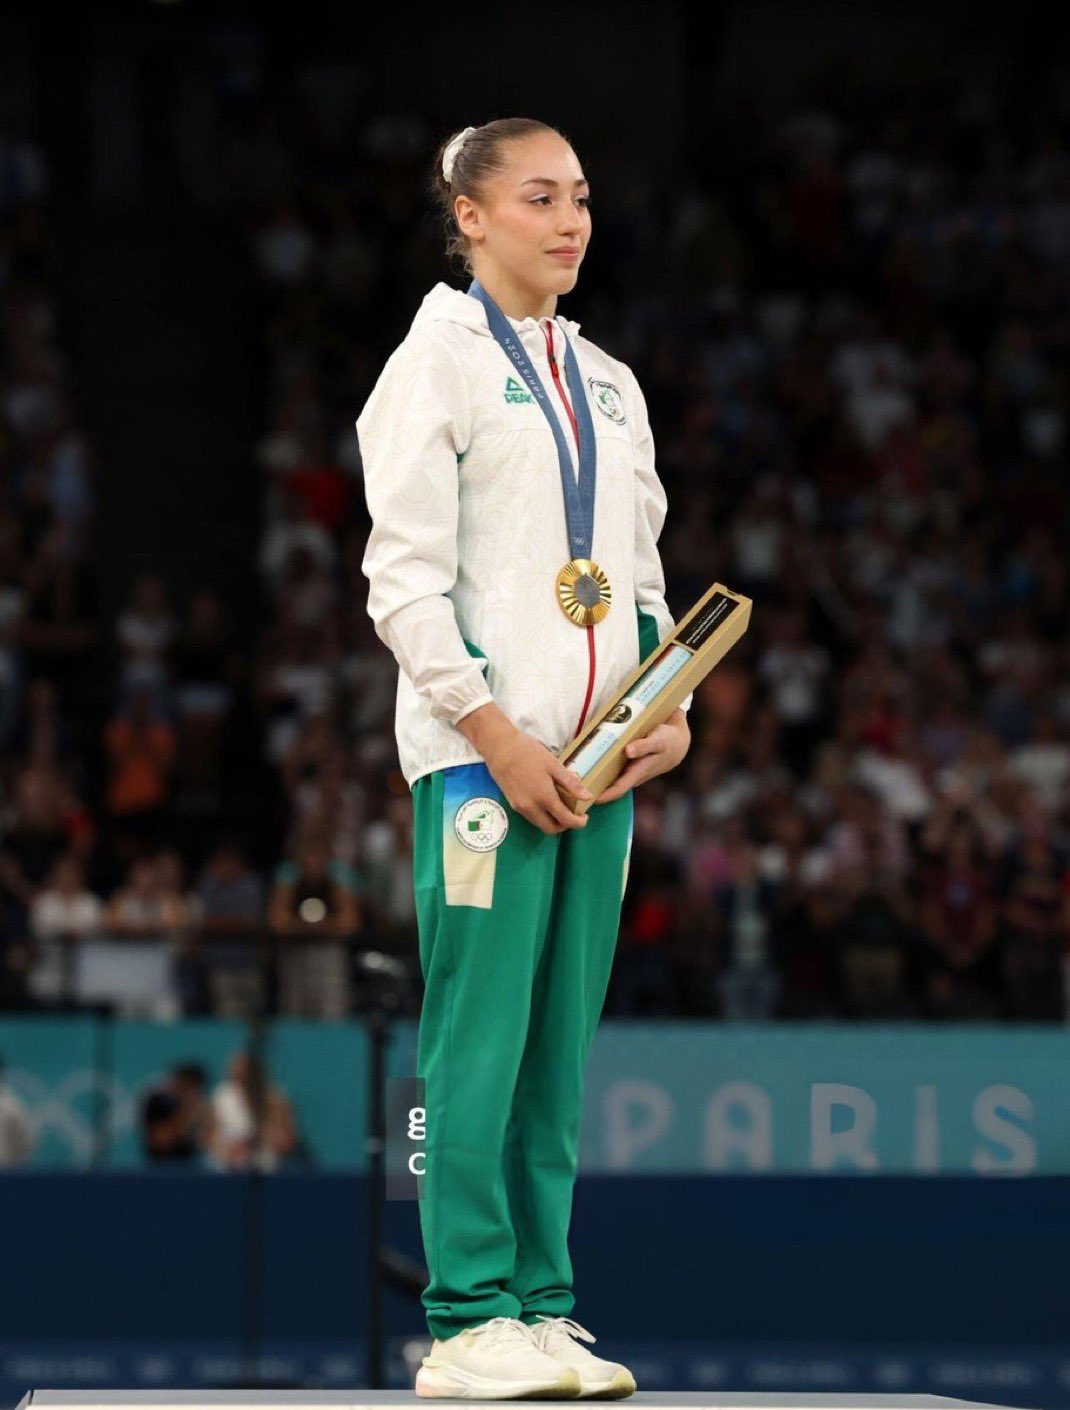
(483, 698)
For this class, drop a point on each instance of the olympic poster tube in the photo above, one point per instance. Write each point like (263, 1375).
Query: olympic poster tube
(642, 693)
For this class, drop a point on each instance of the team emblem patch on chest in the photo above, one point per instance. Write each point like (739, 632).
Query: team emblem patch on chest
(514, 392)
(608, 400)
(481, 824)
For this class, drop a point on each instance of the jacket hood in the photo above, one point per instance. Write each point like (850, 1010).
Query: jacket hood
(443, 302)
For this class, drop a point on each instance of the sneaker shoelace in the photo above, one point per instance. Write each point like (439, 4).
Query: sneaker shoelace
(558, 1326)
(502, 1329)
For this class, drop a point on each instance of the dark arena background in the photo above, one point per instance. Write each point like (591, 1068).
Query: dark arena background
(826, 1139)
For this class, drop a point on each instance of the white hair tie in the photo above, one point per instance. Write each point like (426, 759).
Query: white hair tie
(453, 147)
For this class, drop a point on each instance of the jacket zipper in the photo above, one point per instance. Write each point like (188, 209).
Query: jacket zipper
(555, 373)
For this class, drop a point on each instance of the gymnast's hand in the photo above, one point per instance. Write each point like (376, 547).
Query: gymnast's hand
(654, 753)
(529, 775)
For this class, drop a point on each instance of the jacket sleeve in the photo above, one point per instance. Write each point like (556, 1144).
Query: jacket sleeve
(411, 431)
(651, 506)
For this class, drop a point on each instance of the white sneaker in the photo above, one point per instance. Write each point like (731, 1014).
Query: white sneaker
(599, 1379)
(498, 1360)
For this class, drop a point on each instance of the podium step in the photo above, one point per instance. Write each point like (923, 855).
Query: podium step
(393, 1399)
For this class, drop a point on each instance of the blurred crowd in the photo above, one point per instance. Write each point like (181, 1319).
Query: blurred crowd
(851, 335)
(121, 879)
(245, 1121)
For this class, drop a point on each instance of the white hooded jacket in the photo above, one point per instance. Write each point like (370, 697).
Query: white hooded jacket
(463, 486)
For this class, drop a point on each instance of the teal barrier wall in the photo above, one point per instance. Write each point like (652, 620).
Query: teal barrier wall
(662, 1097)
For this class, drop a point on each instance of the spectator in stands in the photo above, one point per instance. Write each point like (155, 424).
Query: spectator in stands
(145, 904)
(231, 898)
(874, 942)
(45, 819)
(314, 913)
(230, 893)
(176, 1119)
(45, 736)
(145, 631)
(1033, 933)
(253, 1124)
(322, 488)
(1043, 761)
(141, 751)
(296, 531)
(387, 845)
(369, 689)
(642, 980)
(58, 634)
(295, 683)
(795, 670)
(308, 592)
(48, 818)
(864, 830)
(63, 912)
(958, 912)
(325, 795)
(808, 936)
(747, 906)
(162, 1135)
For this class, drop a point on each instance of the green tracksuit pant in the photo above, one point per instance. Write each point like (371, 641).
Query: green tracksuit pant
(517, 935)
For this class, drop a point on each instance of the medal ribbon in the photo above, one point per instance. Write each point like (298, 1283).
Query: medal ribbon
(579, 498)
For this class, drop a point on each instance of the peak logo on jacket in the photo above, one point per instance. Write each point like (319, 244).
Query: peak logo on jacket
(514, 392)
(607, 398)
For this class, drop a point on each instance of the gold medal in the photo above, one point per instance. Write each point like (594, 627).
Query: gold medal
(583, 592)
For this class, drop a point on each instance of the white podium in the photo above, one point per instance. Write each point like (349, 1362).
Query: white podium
(392, 1399)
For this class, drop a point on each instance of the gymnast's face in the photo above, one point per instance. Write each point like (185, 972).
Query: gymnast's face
(536, 204)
